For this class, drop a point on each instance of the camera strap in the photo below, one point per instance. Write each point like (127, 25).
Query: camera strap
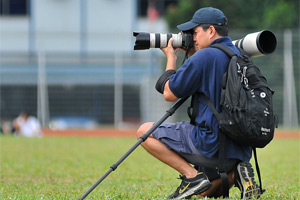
(186, 55)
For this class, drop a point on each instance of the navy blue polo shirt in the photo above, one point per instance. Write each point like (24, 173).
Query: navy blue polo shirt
(203, 72)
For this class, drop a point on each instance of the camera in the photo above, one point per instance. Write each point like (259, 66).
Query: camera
(157, 40)
(254, 44)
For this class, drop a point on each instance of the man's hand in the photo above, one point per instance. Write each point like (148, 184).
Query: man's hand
(170, 53)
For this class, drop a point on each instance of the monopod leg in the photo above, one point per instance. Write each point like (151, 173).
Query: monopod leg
(169, 113)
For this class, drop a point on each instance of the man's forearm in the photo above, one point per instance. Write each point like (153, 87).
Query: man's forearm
(171, 62)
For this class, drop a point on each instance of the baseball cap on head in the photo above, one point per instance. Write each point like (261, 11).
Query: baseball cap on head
(207, 15)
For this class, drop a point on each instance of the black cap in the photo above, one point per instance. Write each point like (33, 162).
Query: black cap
(207, 15)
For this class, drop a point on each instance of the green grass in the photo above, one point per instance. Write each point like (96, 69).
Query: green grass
(66, 167)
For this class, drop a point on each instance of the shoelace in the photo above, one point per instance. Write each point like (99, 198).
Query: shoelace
(180, 177)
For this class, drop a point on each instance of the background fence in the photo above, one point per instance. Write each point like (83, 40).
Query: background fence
(91, 90)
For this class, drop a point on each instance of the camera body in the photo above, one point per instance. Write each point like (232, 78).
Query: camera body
(254, 44)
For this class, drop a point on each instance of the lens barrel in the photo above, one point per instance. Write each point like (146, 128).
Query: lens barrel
(158, 40)
(258, 43)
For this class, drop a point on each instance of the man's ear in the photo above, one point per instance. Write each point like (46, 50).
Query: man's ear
(212, 32)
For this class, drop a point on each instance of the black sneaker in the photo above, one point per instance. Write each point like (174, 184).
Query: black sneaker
(191, 186)
(244, 180)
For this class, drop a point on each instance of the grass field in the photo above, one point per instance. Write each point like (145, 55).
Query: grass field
(66, 167)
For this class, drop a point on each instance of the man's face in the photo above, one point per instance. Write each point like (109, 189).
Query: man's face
(201, 38)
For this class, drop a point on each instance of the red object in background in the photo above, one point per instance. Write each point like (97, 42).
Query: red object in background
(153, 14)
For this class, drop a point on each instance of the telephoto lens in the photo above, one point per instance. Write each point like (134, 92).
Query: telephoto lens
(257, 44)
(157, 40)
(254, 44)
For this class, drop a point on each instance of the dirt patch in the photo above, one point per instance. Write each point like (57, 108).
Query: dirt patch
(111, 132)
(288, 134)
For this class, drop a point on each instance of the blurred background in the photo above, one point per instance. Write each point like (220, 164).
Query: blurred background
(71, 63)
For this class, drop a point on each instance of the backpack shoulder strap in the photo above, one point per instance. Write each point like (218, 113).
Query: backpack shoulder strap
(224, 48)
(258, 171)
(211, 106)
(192, 110)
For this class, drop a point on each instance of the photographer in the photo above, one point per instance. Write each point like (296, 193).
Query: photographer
(192, 149)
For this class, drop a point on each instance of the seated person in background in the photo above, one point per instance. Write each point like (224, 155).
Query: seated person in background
(27, 126)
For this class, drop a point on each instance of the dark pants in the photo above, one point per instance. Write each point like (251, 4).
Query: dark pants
(176, 137)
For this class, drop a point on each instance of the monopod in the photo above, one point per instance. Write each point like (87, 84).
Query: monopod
(169, 113)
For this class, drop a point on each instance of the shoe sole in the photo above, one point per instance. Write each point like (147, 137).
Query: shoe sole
(250, 188)
(205, 185)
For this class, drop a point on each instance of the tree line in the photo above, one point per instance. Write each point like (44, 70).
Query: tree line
(250, 14)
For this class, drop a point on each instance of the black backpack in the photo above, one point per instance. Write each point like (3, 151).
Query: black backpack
(246, 99)
(247, 109)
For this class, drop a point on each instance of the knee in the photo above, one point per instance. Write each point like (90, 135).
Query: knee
(143, 129)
